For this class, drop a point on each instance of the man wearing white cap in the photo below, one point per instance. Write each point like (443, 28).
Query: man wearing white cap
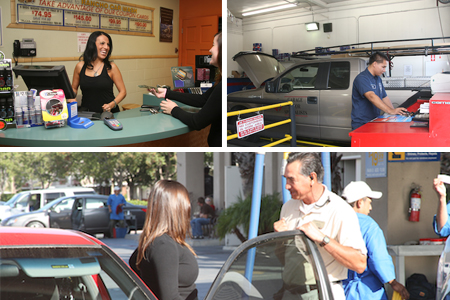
(115, 203)
(380, 269)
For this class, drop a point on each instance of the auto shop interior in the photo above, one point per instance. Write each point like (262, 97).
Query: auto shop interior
(414, 35)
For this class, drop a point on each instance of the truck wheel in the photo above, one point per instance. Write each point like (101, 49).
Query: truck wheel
(35, 224)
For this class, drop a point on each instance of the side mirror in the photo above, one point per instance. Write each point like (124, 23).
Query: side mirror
(270, 87)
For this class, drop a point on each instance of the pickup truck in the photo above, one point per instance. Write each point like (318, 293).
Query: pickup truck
(321, 90)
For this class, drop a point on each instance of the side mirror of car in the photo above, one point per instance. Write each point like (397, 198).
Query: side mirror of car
(270, 87)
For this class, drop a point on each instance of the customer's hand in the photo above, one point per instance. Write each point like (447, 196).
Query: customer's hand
(167, 106)
(439, 187)
(159, 92)
(280, 225)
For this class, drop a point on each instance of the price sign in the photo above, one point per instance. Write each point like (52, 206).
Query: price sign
(116, 23)
(81, 19)
(141, 26)
(250, 125)
(40, 15)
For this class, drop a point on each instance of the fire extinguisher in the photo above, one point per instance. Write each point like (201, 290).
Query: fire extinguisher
(414, 208)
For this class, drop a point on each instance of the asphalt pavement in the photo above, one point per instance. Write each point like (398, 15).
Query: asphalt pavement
(210, 256)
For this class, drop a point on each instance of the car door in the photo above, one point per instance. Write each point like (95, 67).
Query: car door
(59, 214)
(281, 265)
(95, 214)
(301, 84)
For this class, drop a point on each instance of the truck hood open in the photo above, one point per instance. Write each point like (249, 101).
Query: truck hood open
(258, 66)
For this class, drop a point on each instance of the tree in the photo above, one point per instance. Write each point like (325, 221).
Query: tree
(238, 215)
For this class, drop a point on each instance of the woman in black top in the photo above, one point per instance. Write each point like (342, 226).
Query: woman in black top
(163, 259)
(210, 102)
(96, 75)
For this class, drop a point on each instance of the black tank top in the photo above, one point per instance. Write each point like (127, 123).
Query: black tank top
(96, 90)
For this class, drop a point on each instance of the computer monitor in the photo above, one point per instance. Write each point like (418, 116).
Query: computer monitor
(45, 78)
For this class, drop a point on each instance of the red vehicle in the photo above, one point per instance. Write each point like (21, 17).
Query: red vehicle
(63, 264)
(47, 263)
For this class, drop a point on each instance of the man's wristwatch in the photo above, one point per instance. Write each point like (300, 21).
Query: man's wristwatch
(325, 241)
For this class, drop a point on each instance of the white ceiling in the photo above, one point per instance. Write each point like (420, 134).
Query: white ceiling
(237, 7)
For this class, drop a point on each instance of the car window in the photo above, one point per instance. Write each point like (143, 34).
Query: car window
(339, 75)
(67, 273)
(34, 202)
(65, 204)
(278, 268)
(299, 78)
(93, 203)
(52, 196)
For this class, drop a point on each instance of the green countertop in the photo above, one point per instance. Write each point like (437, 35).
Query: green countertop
(138, 127)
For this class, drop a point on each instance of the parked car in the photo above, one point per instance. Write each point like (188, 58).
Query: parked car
(321, 90)
(35, 199)
(57, 264)
(61, 264)
(88, 213)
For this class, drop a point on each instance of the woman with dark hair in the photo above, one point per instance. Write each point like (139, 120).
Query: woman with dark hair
(210, 102)
(96, 75)
(163, 259)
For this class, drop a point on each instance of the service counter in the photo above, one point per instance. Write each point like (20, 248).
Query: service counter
(140, 129)
(437, 134)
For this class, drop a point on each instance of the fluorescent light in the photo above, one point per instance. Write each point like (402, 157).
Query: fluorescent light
(259, 11)
(312, 26)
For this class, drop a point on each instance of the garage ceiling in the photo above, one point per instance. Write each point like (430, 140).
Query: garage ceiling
(237, 7)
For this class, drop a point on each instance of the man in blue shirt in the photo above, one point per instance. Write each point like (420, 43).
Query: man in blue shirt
(115, 203)
(369, 95)
(380, 269)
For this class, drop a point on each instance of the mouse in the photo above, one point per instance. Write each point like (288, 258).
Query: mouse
(106, 115)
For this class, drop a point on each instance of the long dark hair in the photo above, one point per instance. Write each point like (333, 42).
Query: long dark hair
(168, 212)
(219, 56)
(90, 54)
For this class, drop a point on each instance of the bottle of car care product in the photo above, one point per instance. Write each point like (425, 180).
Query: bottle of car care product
(2, 108)
(32, 113)
(19, 116)
(9, 108)
(38, 114)
(30, 99)
(26, 116)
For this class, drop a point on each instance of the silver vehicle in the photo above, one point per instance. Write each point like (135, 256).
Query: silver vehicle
(321, 90)
(35, 199)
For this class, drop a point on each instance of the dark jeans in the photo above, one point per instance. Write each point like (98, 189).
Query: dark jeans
(112, 225)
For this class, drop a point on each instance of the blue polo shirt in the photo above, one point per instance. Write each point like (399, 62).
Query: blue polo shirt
(445, 231)
(113, 201)
(363, 111)
(380, 269)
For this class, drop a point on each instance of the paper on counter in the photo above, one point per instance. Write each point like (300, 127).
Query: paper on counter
(444, 178)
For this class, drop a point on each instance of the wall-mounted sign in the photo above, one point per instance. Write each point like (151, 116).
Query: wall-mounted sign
(166, 25)
(414, 156)
(86, 14)
(376, 164)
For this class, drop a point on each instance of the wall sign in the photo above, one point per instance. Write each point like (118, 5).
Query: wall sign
(166, 25)
(100, 15)
(414, 156)
(376, 164)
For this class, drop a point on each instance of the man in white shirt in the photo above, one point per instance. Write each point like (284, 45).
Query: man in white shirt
(324, 217)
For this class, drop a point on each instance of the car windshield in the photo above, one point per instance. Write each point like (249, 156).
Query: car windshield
(51, 204)
(16, 198)
(282, 267)
(72, 272)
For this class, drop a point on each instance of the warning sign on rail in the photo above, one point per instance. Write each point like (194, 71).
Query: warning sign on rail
(249, 126)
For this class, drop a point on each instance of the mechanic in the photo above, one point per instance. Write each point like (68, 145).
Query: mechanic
(380, 269)
(441, 222)
(324, 217)
(115, 203)
(369, 95)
